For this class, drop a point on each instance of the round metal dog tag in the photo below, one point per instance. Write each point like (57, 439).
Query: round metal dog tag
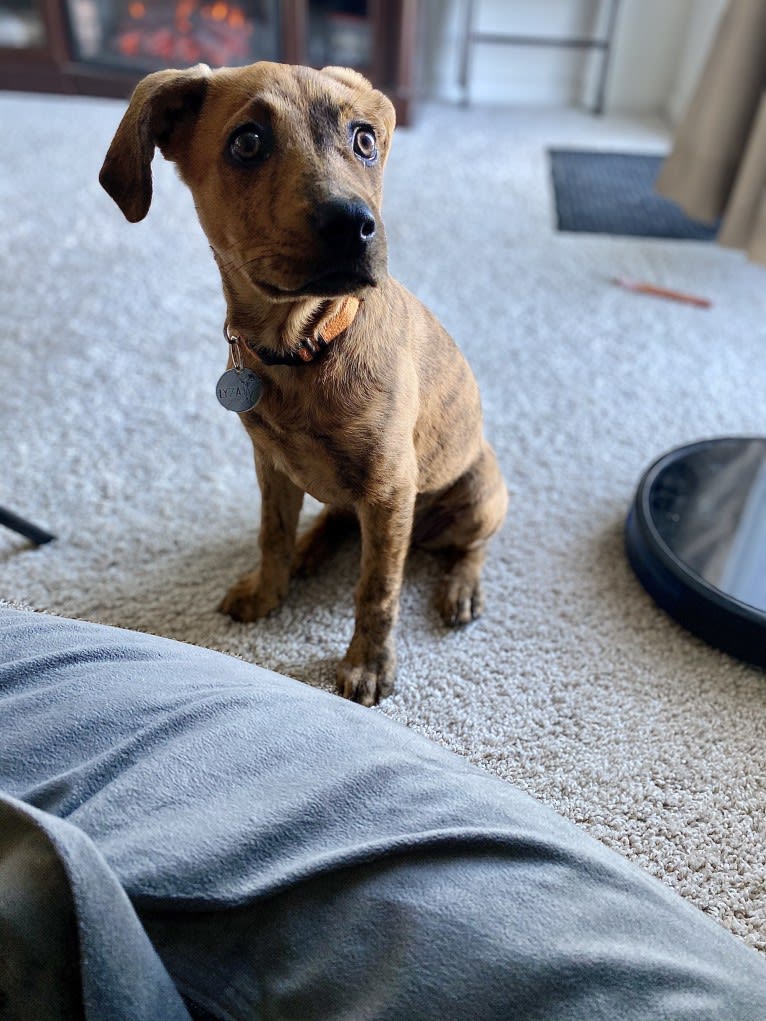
(239, 389)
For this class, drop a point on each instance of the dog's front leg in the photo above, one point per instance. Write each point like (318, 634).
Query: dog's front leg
(260, 591)
(366, 673)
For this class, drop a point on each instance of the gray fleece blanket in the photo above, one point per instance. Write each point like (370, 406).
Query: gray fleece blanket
(241, 846)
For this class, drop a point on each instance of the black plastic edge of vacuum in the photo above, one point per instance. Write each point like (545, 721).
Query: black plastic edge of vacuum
(722, 621)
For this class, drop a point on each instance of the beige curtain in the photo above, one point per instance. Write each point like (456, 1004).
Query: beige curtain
(718, 163)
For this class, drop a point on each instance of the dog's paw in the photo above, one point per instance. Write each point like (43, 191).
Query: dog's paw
(461, 600)
(367, 681)
(249, 599)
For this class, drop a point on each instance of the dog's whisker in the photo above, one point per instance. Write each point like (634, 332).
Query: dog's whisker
(248, 262)
(242, 247)
(244, 242)
(235, 267)
(245, 247)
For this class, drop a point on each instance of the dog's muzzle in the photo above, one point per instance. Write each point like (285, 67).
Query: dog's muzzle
(351, 251)
(346, 228)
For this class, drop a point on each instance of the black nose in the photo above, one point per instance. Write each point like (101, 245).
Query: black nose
(345, 225)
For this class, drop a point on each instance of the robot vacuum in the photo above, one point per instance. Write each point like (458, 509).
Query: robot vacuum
(696, 537)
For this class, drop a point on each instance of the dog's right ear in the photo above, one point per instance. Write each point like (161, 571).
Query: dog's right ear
(162, 108)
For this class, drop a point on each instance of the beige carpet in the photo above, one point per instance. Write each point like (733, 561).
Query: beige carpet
(574, 685)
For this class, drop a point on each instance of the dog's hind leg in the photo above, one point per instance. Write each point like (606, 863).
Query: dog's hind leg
(458, 522)
(460, 599)
(322, 539)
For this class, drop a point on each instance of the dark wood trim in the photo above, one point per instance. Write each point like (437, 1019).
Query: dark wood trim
(405, 59)
(55, 68)
(57, 30)
(294, 30)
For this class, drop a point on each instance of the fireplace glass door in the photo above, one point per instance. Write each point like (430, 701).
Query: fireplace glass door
(145, 35)
(340, 33)
(21, 25)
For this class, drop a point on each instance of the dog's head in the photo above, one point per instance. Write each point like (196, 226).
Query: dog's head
(285, 165)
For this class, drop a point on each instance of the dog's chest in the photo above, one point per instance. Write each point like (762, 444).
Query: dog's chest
(319, 453)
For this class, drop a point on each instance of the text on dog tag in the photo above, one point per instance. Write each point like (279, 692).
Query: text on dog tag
(239, 389)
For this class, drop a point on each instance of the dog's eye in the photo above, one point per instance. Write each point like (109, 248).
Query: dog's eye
(365, 144)
(246, 144)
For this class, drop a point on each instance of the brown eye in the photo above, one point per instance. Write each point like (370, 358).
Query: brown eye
(365, 145)
(245, 144)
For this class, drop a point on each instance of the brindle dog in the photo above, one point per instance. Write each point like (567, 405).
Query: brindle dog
(367, 404)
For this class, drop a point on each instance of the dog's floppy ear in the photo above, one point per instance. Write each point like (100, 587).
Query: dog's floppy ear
(162, 105)
(347, 76)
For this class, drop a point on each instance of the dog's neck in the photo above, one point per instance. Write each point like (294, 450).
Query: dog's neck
(287, 332)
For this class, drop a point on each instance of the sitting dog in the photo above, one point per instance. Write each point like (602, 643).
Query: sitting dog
(349, 388)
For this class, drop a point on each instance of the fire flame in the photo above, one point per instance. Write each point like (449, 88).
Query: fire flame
(186, 36)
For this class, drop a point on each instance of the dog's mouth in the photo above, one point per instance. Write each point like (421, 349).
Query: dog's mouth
(332, 284)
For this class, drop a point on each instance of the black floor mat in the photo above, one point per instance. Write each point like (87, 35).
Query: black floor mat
(613, 193)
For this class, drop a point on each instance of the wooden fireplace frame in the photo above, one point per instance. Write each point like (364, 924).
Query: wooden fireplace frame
(54, 67)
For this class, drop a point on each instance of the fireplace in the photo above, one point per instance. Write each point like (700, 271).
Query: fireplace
(103, 47)
(149, 35)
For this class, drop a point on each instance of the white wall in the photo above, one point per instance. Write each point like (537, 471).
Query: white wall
(502, 74)
(658, 50)
(647, 51)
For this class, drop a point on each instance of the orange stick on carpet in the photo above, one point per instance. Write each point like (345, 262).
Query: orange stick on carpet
(661, 292)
